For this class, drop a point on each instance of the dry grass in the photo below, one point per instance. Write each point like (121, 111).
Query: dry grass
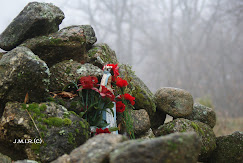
(226, 125)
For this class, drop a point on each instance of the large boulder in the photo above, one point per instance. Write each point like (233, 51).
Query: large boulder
(174, 101)
(71, 42)
(101, 54)
(204, 131)
(144, 98)
(229, 149)
(34, 20)
(66, 72)
(49, 129)
(176, 148)
(22, 72)
(203, 114)
(95, 150)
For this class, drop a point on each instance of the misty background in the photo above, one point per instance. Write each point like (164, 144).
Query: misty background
(196, 45)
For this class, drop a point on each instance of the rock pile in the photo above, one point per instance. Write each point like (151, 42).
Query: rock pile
(41, 60)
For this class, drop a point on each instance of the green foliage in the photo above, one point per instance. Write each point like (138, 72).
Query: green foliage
(54, 121)
(206, 101)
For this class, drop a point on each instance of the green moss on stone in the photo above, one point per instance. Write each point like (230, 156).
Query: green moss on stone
(67, 121)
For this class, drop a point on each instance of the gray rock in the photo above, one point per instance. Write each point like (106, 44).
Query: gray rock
(34, 20)
(101, 54)
(71, 42)
(60, 130)
(204, 131)
(141, 122)
(144, 98)
(21, 71)
(66, 72)
(95, 150)
(176, 148)
(148, 135)
(174, 101)
(5, 159)
(229, 149)
(203, 114)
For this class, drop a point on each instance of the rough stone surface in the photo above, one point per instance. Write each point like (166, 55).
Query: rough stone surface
(174, 101)
(34, 20)
(95, 150)
(144, 98)
(203, 114)
(25, 161)
(204, 131)
(176, 148)
(148, 135)
(5, 159)
(71, 42)
(61, 130)
(66, 72)
(141, 122)
(21, 72)
(229, 149)
(101, 54)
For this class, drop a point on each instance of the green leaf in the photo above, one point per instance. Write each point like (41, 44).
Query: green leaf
(111, 129)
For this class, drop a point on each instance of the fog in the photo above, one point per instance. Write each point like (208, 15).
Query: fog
(196, 45)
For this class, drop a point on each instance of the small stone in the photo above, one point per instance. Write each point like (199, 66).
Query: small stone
(141, 122)
(203, 114)
(174, 101)
(5, 159)
(101, 54)
(34, 20)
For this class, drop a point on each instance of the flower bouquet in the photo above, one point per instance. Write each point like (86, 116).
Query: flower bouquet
(107, 97)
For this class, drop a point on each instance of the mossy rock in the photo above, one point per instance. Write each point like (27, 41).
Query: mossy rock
(174, 148)
(57, 129)
(69, 43)
(144, 98)
(204, 131)
(22, 72)
(101, 54)
(176, 102)
(34, 20)
(69, 71)
(229, 149)
(203, 114)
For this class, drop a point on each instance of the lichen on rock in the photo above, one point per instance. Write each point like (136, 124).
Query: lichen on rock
(22, 72)
(205, 132)
(56, 126)
(34, 20)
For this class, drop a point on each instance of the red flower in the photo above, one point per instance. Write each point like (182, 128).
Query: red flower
(129, 97)
(107, 93)
(88, 82)
(121, 83)
(115, 71)
(100, 130)
(120, 107)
